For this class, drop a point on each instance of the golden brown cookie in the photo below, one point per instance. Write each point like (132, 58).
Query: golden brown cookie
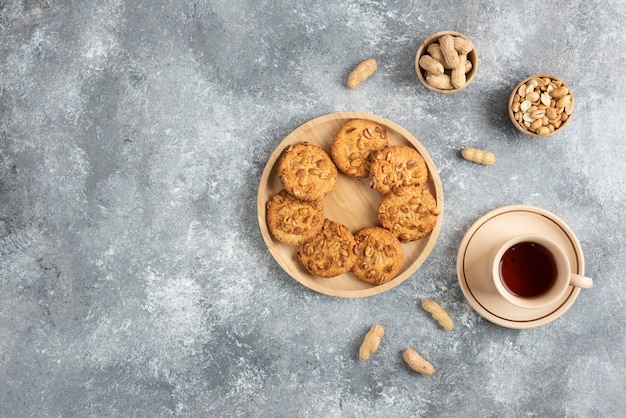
(329, 253)
(306, 171)
(379, 255)
(353, 144)
(293, 221)
(410, 212)
(395, 166)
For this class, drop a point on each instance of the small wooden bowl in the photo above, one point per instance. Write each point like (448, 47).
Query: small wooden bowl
(516, 100)
(472, 57)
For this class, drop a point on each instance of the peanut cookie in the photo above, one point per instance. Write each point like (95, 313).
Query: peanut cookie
(410, 212)
(379, 255)
(329, 253)
(396, 166)
(353, 144)
(293, 221)
(306, 171)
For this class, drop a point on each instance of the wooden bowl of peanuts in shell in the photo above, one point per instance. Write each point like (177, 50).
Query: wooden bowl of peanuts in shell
(446, 62)
(541, 105)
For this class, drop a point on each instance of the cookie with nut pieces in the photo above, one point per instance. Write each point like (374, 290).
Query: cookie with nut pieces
(291, 220)
(306, 171)
(353, 144)
(330, 252)
(409, 212)
(396, 166)
(379, 255)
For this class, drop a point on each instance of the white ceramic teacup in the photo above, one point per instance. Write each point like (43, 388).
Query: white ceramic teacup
(532, 271)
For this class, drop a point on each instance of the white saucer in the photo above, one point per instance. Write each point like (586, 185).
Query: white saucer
(474, 272)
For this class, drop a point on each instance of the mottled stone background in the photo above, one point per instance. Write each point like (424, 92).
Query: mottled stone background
(134, 280)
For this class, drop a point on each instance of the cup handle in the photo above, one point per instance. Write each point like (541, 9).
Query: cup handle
(580, 281)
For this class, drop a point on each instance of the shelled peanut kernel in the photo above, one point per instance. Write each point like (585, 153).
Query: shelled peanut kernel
(542, 105)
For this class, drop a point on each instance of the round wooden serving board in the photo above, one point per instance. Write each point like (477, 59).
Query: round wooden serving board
(352, 203)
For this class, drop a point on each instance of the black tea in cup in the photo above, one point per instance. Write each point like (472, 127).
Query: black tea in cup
(527, 269)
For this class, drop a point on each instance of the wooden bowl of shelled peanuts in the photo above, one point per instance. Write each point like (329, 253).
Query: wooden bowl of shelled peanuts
(446, 62)
(541, 105)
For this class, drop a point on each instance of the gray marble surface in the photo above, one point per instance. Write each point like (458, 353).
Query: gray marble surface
(134, 280)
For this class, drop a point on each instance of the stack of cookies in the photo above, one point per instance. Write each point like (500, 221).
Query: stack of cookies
(327, 248)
